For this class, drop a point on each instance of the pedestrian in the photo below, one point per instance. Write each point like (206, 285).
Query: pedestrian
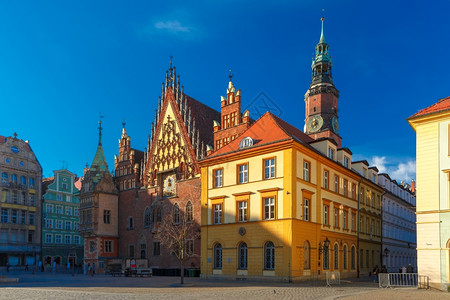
(375, 272)
(403, 270)
(68, 266)
(26, 267)
(41, 267)
(54, 267)
(89, 269)
(410, 269)
(7, 267)
(93, 269)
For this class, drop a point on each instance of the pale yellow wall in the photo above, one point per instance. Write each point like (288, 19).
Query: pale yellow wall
(427, 166)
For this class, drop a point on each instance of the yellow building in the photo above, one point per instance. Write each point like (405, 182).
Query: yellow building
(275, 206)
(432, 127)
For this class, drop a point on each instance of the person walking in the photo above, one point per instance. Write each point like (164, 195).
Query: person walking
(7, 267)
(89, 269)
(93, 269)
(375, 272)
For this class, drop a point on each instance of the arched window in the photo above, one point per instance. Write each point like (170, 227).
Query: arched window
(336, 257)
(242, 259)
(5, 177)
(147, 217)
(306, 256)
(176, 213)
(269, 256)
(189, 212)
(23, 180)
(352, 258)
(345, 257)
(218, 256)
(32, 183)
(326, 257)
(14, 178)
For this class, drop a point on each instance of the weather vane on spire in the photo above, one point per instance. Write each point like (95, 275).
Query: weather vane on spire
(123, 123)
(230, 75)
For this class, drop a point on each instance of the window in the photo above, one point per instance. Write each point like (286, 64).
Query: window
(346, 161)
(305, 209)
(23, 180)
(130, 223)
(5, 177)
(23, 217)
(108, 247)
(59, 209)
(156, 248)
(143, 251)
(48, 238)
(352, 258)
(325, 215)
(269, 208)
(68, 225)
(242, 259)
(218, 213)
(353, 191)
(361, 258)
(58, 239)
(32, 184)
(218, 178)
(243, 173)
(131, 251)
(14, 178)
(58, 224)
(176, 214)
(367, 258)
(48, 223)
(325, 180)
(336, 217)
(269, 256)
(147, 217)
(68, 211)
(49, 208)
(190, 247)
(76, 239)
(14, 216)
(345, 187)
(353, 221)
(326, 257)
(31, 218)
(76, 212)
(345, 220)
(331, 153)
(336, 257)
(68, 239)
(5, 215)
(242, 211)
(76, 226)
(14, 197)
(344, 257)
(218, 256)
(32, 200)
(306, 167)
(64, 186)
(269, 168)
(5, 196)
(336, 184)
(106, 216)
(306, 256)
(189, 212)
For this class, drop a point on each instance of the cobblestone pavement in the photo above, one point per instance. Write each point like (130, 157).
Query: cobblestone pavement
(63, 286)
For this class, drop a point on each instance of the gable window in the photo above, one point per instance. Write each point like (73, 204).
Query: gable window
(346, 161)
(218, 178)
(269, 208)
(306, 167)
(243, 173)
(269, 168)
(269, 256)
(189, 212)
(107, 216)
(331, 153)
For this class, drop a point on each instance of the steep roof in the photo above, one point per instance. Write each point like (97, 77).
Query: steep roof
(266, 130)
(441, 105)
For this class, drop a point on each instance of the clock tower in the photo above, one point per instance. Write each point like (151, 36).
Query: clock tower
(321, 99)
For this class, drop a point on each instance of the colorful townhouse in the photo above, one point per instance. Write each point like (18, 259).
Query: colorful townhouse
(280, 204)
(61, 242)
(432, 127)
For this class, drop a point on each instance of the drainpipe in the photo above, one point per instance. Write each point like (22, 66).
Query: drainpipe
(358, 230)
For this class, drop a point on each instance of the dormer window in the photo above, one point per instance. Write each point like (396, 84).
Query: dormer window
(331, 153)
(246, 142)
(346, 161)
(364, 172)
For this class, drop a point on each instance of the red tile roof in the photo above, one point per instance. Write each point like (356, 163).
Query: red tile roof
(441, 105)
(266, 130)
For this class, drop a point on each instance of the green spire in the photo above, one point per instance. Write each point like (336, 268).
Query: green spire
(99, 163)
(322, 38)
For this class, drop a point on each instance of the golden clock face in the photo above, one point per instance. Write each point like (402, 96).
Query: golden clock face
(169, 185)
(314, 123)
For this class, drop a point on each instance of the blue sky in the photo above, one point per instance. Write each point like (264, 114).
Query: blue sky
(62, 63)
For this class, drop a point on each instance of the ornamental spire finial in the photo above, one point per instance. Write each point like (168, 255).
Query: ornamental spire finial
(100, 129)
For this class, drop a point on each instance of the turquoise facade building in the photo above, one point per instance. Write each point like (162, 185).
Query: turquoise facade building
(61, 242)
